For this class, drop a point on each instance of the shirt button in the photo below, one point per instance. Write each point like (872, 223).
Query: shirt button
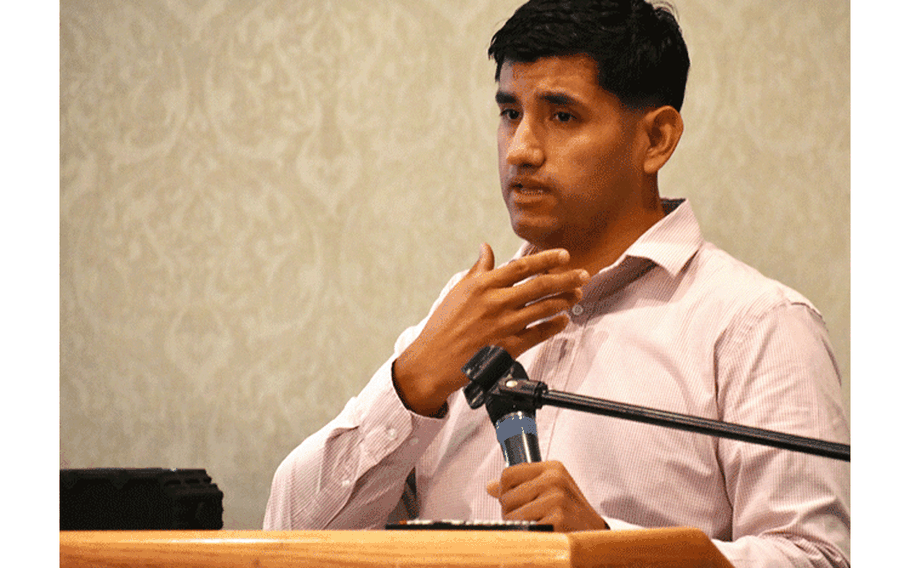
(345, 482)
(413, 441)
(391, 433)
(577, 310)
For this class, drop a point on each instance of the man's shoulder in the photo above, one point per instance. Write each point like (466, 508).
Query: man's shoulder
(719, 275)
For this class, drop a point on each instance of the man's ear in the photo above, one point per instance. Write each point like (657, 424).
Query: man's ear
(664, 128)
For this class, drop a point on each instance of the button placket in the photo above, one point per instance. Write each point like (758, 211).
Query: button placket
(557, 356)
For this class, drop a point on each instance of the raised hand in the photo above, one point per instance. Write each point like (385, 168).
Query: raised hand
(515, 306)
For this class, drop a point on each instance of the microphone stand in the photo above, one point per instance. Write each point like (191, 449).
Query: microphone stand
(500, 381)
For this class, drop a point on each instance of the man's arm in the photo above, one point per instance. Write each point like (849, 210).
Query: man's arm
(778, 372)
(351, 473)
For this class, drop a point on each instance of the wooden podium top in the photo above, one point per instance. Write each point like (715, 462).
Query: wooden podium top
(650, 548)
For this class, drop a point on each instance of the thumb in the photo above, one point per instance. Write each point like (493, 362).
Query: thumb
(493, 488)
(484, 261)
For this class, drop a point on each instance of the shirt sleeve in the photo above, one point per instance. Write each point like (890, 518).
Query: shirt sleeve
(352, 473)
(777, 371)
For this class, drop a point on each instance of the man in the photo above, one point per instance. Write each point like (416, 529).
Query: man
(614, 295)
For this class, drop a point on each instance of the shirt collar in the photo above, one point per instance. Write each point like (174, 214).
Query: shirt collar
(672, 241)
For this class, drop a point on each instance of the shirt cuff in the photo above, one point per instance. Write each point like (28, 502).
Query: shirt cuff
(387, 423)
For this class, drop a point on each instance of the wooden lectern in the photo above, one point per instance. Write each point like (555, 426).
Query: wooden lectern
(650, 548)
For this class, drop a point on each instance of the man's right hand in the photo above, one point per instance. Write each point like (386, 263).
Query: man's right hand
(512, 307)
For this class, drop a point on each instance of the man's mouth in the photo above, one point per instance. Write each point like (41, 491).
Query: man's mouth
(528, 188)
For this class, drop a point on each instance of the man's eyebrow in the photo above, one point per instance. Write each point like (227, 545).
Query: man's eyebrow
(559, 99)
(504, 98)
(552, 97)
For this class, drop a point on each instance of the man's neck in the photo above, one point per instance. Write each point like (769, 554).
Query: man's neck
(598, 253)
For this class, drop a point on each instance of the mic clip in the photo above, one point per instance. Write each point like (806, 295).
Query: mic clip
(501, 384)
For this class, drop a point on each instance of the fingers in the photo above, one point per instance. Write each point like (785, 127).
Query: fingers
(521, 474)
(485, 261)
(528, 325)
(554, 293)
(537, 285)
(539, 482)
(527, 296)
(544, 492)
(534, 334)
(524, 492)
(539, 276)
(527, 266)
(529, 278)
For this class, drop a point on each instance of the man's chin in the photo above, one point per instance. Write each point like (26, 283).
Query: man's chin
(541, 237)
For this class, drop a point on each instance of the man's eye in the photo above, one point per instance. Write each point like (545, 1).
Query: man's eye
(563, 117)
(509, 113)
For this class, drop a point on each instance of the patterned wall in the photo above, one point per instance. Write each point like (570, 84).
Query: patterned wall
(257, 197)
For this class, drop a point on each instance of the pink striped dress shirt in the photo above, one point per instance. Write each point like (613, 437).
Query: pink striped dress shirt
(675, 324)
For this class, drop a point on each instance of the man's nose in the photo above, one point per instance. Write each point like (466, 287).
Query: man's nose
(525, 148)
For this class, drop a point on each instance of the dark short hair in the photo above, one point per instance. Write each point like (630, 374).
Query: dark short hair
(639, 49)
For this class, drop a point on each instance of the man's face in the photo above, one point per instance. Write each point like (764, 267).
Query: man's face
(568, 164)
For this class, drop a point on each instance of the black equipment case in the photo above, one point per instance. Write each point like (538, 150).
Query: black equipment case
(139, 499)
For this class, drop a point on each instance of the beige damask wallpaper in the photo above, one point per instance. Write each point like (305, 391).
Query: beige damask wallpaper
(257, 197)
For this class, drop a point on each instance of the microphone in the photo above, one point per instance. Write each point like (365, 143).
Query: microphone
(514, 421)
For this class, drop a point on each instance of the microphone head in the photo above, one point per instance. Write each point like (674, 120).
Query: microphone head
(517, 436)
